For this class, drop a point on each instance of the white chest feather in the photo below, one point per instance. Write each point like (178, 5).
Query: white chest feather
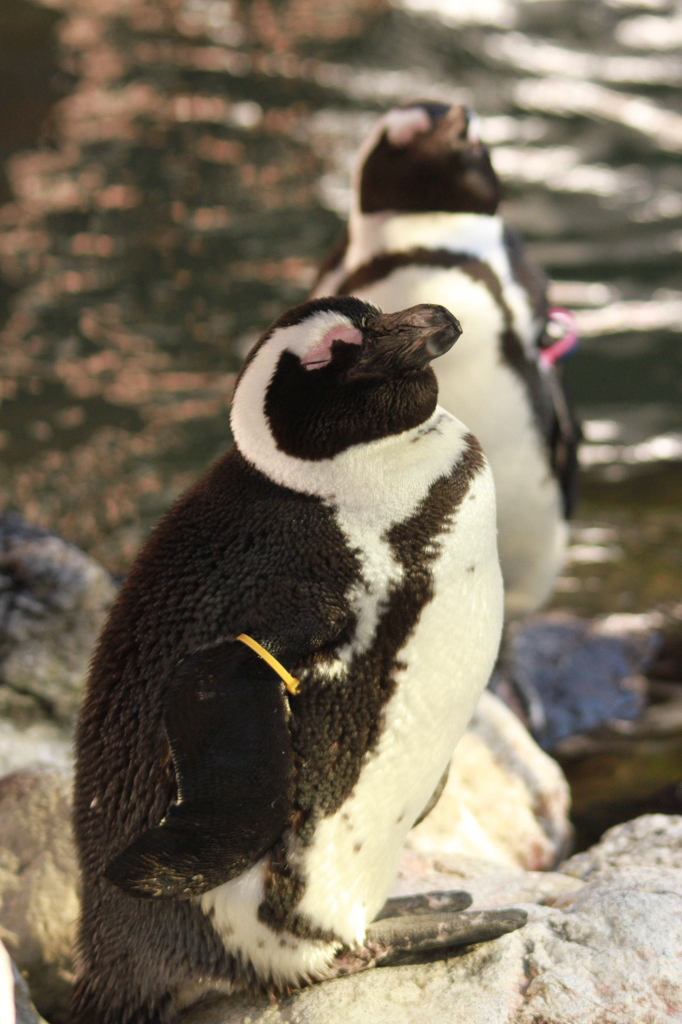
(350, 864)
(447, 662)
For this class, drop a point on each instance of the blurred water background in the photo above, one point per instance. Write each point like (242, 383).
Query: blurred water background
(174, 169)
(171, 172)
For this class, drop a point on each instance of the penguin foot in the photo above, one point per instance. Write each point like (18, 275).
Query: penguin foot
(400, 940)
(440, 901)
(421, 934)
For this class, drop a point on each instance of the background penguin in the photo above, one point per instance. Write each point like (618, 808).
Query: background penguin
(228, 831)
(423, 227)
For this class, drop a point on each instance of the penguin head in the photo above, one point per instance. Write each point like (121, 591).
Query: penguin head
(335, 373)
(426, 158)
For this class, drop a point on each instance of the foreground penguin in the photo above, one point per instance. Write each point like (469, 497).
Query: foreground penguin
(237, 827)
(424, 228)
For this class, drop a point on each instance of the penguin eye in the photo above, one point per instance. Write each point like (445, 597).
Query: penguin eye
(321, 354)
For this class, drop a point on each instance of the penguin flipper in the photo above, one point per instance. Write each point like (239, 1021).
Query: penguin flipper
(561, 426)
(564, 440)
(226, 721)
(435, 796)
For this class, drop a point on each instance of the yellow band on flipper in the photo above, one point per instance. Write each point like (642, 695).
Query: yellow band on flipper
(292, 684)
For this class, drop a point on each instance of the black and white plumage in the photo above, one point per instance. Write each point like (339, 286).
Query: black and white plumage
(229, 832)
(424, 227)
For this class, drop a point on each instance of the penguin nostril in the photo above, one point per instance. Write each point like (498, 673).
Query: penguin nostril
(443, 329)
(442, 341)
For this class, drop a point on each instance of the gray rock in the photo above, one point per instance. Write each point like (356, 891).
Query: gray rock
(53, 599)
(42, 744)
(15, 999)
(481, 987)
(612, 956)
(605, 950)
(568, 675)
(38, 893)
(651, 841)
(497, 757)
(491, 885)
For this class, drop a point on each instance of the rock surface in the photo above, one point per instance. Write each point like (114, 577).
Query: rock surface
(38, 899)
(42, 744)
(38, 895)
(490, 885)
(603, 944)
(505, 800)
(605, 951)
(566, 675)
(53, 599)
(652, 841)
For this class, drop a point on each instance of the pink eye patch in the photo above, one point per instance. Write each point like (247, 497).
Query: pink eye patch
(321, 353)
(402, 126)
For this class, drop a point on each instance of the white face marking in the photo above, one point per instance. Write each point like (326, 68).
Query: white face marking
(321, 352)
(402, 126)
(311, 341)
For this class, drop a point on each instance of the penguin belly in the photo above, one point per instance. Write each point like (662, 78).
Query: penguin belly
(491, 398)
(347, 866)
(445, 665)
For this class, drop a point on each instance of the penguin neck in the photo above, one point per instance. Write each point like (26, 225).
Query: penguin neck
(379, 482)
(372, 234)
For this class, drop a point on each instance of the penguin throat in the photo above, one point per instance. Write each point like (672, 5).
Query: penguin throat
(376, 233)
(352, 478)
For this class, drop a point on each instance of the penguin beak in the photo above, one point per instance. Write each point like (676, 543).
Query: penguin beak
(404, 342)
(456, 129)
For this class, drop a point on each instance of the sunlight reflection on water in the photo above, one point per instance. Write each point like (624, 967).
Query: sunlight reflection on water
(197, 172)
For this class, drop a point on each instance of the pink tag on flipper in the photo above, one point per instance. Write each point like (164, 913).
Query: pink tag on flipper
(559, 320)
